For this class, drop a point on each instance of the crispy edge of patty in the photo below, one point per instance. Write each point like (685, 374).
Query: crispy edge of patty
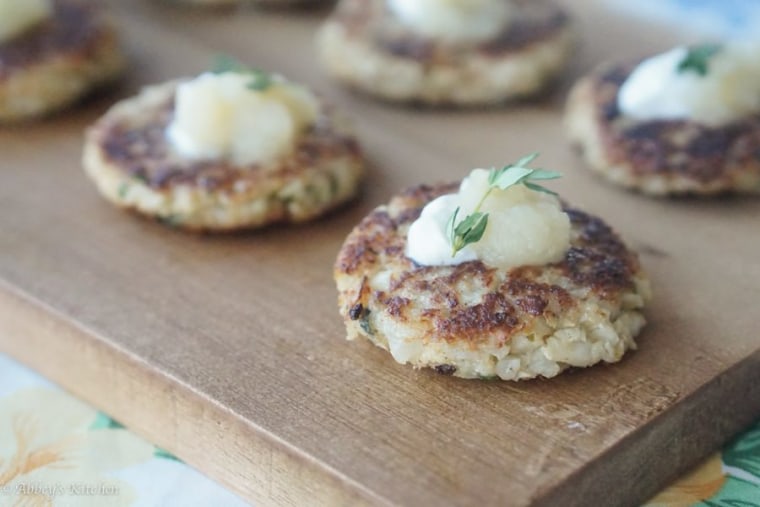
(48, 83)
(214, 196)
(428, 72)
(592, 297)
(659, 157)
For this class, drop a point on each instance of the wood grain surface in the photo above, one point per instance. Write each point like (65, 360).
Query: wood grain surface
(228, 351)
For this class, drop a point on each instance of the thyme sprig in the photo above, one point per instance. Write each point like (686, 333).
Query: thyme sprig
(697, 59)
(260, 80)
(471, 229)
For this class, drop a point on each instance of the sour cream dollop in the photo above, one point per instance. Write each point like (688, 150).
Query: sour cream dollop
(729, 90)
(454, 20)
(524, 227)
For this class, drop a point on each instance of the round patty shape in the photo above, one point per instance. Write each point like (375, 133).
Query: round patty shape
(659, 157)
(474, 321)
(365, 46)
(57, 62)
(133, 165)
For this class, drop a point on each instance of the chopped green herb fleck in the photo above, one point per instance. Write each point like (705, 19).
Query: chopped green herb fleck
(697, 59)
(365, 324)
(171, 220)
(260, 80)
(334, 184)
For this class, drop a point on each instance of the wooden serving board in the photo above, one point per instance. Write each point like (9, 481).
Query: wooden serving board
(228, 351)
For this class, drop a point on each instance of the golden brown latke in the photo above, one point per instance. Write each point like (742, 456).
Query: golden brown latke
(365, 45)
(57, 62)
(471, 320)
(129, 158)
(659, 157)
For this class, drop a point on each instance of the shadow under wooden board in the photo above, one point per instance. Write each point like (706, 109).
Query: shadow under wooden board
(228, 351)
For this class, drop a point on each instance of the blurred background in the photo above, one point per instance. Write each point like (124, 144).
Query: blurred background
(711, 18)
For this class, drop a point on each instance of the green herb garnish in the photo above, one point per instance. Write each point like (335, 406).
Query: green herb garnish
(365, 323)
(123, 190)
(260, 80)
(697, 59)
(171, 220)
(471, 228)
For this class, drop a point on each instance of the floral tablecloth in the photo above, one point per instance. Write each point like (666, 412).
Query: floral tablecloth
(56, 451)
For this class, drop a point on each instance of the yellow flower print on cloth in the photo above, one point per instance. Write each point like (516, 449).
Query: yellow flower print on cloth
(728, 479)
(52, 453)
(701, 484)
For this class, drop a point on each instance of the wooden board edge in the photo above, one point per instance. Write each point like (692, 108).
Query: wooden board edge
(631, 472)
(270, 471)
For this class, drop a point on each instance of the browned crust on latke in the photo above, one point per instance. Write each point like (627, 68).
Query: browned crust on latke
(598, 264)
(143, 152)
(537, 21)
(76, 30)
(678, 148)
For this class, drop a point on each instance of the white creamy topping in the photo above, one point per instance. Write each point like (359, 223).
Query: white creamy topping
(455, 20)
(428, 241)
(729, 90)
(524, 227)
(17, 16)
(218, 116)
